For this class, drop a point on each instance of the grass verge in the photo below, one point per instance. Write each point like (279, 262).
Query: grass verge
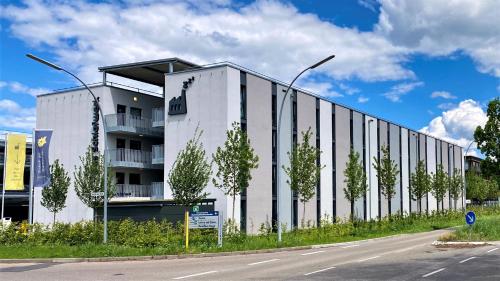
(485, 229)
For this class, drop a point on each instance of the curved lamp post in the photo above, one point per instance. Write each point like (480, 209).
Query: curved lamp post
(56, 67)
(278, 139)
(465, 181)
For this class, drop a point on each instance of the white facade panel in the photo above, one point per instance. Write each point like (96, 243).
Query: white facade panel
(431, 169)
(325, 112)
(371, 173)
(405, 176)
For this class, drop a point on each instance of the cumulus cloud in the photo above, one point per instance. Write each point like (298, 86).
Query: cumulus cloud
(17, 87)
(323, 89)
(348, 89)
(16, 117)
(446, 105)
(362, 99)
(442, 94)
(260, 35)
(457, 125)
(441, 28)
(399, 90)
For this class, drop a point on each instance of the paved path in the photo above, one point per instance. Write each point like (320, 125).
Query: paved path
(406, 257)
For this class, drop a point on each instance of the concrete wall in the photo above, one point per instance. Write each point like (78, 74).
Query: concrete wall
(326, 159)
(371, 173)
(259, 130)
(306, 118)
(413, 156)
(213, 104)
(431, 169)
(422, 157)
(342, 147)
(394, 152)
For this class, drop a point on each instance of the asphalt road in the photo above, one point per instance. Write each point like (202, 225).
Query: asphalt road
(407, 257)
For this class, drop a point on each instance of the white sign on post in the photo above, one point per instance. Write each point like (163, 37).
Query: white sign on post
(204, 220)
(97, 194)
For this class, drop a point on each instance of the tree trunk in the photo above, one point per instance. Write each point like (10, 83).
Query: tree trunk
(352, 211)
(303, 214)
(389, 207)
(234, 200)
(54, 221)
(455, 202)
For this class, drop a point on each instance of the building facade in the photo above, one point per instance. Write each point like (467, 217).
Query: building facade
(146, 131)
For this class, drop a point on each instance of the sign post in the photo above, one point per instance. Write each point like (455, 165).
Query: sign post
(186, 228)
(470, 219)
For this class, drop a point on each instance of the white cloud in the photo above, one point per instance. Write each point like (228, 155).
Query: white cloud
(323, 89)
(446, 106)
(17, 87)
(402, 89)
(261, 36)
(369, 4)
(15, 117)
(362, 99)
(457, 125)
(442, 94)
(348, 89)
(441, 28)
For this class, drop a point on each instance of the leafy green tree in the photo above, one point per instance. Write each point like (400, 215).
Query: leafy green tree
(387, 172)
(54, 195)
(440, 185)
(304, 171)
(235, 161)
(456, 186)
(488, 141)
(355, 180)
(420, 184)
(89, 178)
(190, 173)
(480, 188)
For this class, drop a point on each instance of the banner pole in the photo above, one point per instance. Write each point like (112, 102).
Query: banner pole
(30, 207)
(4, 168)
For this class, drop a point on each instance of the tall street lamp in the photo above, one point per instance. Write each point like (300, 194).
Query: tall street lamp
(464, 193)
(370, 168)
(278, 183)
(56, 67)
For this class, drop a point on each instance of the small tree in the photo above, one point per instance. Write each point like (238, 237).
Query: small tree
(387, 172)
(235, 161)
(190, 173)
(304, 171)
(456, 186)
(420, 184)
(439, 185)
(355, 179)
(480, 188)
(89, 178)
(54, 195)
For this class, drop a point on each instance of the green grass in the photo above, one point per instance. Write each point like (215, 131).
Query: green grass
(128, 238)
(485, 229)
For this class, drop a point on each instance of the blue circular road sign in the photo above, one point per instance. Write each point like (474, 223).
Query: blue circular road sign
(470, 218)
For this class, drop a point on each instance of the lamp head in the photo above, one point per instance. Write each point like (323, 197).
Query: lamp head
(54, 66)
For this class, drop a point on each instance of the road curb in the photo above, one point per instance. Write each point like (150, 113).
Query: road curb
(201, 255)
(465, 243)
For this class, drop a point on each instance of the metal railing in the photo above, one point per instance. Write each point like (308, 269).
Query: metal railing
(129, 155)
(157, 190)
(153, 191)
(158, 154)
(131, 123)
(158, 117)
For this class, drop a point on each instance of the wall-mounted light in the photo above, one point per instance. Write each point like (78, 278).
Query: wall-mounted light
(135, 99)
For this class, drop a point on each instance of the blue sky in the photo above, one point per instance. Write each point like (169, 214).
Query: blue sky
(429, 69)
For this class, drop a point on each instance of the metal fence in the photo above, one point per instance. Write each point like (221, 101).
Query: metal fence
(158, 117)
(158, 154)
(153, 191)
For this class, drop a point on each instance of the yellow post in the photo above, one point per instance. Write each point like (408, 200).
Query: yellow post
(186, 227)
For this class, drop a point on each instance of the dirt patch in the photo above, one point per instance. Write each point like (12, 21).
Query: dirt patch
(460, 246)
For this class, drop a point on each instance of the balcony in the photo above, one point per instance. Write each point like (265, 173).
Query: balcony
(158, 117)
(130, 158)
(158, 154)
(129, 124)
(154, 191)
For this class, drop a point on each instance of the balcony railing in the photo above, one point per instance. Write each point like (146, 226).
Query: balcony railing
(130, 158)
(158, 117)
(126, 123)
(153, 191)
(158, 154)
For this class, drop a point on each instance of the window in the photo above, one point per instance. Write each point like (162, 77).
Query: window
(120, 178)
(135, 112)
(120, 143)
(121, 109)
(135, 145)
(134, 179)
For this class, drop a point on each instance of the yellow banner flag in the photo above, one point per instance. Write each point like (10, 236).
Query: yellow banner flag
(15, 160)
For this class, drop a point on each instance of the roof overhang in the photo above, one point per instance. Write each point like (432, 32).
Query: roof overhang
(152, 72)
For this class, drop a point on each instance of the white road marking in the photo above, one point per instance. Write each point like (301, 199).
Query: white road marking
(194, 275)
(494, 249)
(312, 253)
(318, 271)
(355, 245)
(434, 272)
(260, 262)
(370, 258)
(467, 259)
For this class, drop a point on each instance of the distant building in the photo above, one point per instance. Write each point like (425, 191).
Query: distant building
(472, 163)
(146, 130)
(16, 202)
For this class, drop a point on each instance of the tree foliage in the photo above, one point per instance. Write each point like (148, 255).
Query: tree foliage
(355, 180)
(235, 161)
(387, 172)
(420, 184)
(439, 184)
(456, 186)
(488, 141)
(304, 171)
(480, 188)
(89, 178)
(190, 173)
(54, 195)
